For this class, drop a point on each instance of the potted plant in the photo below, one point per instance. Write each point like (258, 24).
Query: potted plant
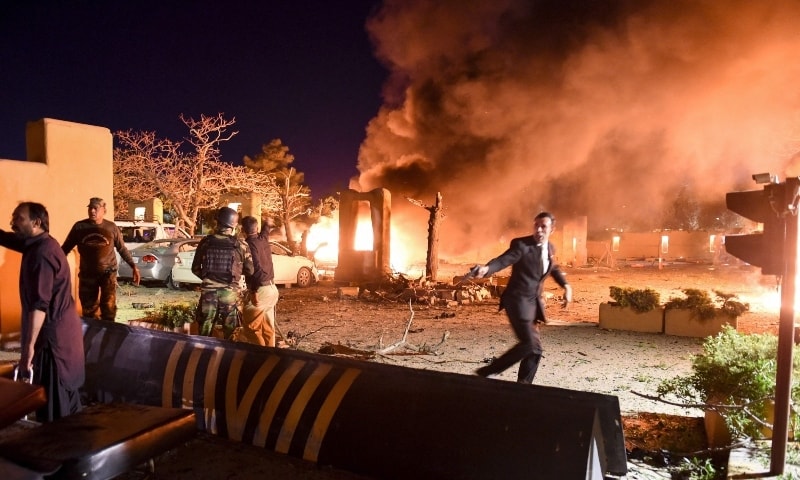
(638, 310)
(697, 315)
(733, 381)
(171, 317)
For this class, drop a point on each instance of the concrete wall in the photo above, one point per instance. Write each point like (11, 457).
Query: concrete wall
(680, 245)
(569, 239)
(67, 164)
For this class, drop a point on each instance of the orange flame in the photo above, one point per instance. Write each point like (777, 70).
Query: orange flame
(323, 240)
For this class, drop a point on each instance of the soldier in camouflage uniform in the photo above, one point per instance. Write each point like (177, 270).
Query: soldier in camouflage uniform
(220, 261)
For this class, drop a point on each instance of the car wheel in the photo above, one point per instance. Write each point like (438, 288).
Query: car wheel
(304, 277)
(172, 283)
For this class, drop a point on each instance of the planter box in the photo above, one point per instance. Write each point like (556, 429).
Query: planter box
(770, 418)
(146, 324)
(717, 433)
(614, 317)
(684, 323)
(187, 328)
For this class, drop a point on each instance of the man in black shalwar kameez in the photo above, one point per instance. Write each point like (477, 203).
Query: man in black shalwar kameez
(52, 331)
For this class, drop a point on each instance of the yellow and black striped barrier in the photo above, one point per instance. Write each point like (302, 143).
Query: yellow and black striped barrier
(369, 418)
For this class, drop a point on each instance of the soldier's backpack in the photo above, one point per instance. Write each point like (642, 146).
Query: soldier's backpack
(222, 261)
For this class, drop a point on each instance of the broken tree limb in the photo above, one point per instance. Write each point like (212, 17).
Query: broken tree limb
(417, 349)
(293, 339)
(721, 408)
(402, 342)
(445, 336)
(343, 350)
(434, 219)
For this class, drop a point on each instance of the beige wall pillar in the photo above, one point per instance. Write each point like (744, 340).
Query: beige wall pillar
(249, 204)
(358, 266)
(573, 249)
(67, 164)
(152, 210)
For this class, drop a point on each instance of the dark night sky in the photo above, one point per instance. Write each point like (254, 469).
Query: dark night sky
(608, 109)
(302, 71)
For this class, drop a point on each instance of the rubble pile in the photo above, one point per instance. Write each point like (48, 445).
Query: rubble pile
(399, 288)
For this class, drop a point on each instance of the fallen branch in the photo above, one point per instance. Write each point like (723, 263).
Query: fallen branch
(445, 336)
(717, 407)
(402, 342)
(343, 350)
(293, 339)
(455, 360)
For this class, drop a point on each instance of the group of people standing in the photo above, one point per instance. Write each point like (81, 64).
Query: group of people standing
(52, 353)
(220, 261)
(51, 343)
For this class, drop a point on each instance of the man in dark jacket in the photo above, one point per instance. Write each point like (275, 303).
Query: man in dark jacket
(258, 317)
(52, 331)
(531, 259)
(97, 239)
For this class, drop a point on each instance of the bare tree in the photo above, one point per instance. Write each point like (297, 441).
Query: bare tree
(186, 181)
(434, 220)
(134, 159)
(202, 168)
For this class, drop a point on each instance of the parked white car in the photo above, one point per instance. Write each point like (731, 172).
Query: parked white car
(289, 269)
(155, 260)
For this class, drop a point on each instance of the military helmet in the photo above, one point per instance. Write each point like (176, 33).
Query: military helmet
(227, 218)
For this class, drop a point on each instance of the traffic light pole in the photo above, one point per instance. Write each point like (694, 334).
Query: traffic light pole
(783, 380)
(775, 251)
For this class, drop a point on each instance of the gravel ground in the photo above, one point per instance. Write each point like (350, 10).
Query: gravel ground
(578, 355)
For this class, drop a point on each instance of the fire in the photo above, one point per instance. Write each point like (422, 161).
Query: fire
(761, 296)
(323, 240)
(364, 236)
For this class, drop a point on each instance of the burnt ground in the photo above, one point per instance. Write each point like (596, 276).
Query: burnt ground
(578, 354)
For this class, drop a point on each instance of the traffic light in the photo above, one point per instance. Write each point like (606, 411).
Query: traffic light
(769, 207)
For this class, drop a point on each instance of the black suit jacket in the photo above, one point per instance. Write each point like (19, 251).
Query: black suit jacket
(522, 298)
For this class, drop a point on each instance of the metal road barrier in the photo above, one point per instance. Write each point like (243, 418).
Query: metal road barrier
(374, 419)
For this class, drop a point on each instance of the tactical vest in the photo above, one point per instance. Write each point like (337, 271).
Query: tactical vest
(222, 261)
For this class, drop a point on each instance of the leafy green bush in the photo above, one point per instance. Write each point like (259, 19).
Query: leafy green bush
(735, 375)
(640, 300)
(172, 315)
(696, 469)
(704, 308)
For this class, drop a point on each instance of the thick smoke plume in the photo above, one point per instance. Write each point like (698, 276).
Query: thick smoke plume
(600, 108)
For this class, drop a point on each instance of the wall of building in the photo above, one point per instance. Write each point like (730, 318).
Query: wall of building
(680, 245)
(569, 239)
(67, 163)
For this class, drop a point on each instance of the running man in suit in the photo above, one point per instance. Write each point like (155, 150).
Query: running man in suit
(531, 261)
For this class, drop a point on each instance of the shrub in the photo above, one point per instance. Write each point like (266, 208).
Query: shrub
(640, 300)
(729, 305)
(699, 302)
(172, 315)
(734, 375)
